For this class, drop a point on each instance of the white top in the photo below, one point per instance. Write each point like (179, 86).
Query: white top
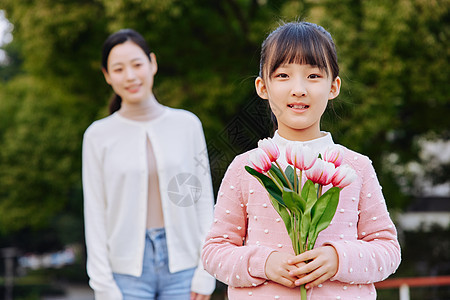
(319, 144)
(115, 179)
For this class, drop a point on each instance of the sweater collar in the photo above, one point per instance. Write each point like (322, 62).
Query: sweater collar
(146, 111)
(320, 144)
(121, 118)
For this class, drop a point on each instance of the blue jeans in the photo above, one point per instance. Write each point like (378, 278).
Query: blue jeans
(156, 282)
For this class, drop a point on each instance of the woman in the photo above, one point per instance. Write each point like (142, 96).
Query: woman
(148, 199)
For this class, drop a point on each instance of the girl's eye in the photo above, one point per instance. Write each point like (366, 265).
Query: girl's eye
(282, 75)
(117, 70)
(137, 65)
(314, 76)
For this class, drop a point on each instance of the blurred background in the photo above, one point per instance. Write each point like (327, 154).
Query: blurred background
(394, 107)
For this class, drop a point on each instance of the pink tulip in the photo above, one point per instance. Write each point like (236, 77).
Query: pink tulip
(289, 147)
(299, 155)
(259, 160)
(321, 172)
(343, 176)
(270, 148)
(334, 155)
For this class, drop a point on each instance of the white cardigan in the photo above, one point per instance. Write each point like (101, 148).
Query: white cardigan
(115, 196)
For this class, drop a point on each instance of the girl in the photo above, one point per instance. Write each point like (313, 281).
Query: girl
(144, 232)
(248, 247)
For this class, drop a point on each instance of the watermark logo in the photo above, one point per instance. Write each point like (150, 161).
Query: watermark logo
(240, 134)
(184, 189)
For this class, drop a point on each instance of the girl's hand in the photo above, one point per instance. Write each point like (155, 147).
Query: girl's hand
(277, 269)
(195, 296)
(322, 265)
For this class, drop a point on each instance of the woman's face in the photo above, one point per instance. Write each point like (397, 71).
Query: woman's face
(130, 72)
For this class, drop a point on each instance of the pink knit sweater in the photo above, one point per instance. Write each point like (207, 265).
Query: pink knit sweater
(247, 229)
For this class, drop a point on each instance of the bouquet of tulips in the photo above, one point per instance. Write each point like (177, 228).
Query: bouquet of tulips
(304, 208)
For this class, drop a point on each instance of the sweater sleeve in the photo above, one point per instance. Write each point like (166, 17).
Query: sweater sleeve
(98, 267)
(224, 254)
(376, 253)
(202, 282)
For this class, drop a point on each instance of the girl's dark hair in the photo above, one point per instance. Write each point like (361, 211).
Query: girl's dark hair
(298, 42)
(113, 40)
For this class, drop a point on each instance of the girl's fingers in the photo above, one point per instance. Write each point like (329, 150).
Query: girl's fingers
(278, 270)
(293, 268)
(303, 257)
(285, 278)
(313, 254)
(299, 265)
(324, 258)
(286, 282)
(312, 277)
(316, 277)
(288, 274)
(316, 282)
(303, 269)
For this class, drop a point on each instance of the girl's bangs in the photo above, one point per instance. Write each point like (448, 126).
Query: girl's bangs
(296, 47)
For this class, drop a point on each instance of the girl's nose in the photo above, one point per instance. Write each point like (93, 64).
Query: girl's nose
(299, 89)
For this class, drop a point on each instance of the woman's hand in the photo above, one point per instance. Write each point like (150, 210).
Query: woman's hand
(195, 296)
(322, 264)
(278, 269)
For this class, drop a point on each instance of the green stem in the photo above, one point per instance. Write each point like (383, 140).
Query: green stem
(295, 180)
(275, 181)
(300, 246)
(319, 191)
(284, 175)
(300, 242)
(303, 292)
(294, 234)
(300, 178)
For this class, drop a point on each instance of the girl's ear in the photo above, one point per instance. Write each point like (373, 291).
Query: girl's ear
(261, 88)
(106, 75)
(335, 88)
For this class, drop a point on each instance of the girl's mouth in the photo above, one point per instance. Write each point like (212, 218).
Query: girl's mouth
(298, 106)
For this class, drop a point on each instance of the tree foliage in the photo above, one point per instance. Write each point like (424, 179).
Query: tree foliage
(392, 55)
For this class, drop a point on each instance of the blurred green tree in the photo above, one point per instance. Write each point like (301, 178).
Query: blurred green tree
(47, 97)
(393, 57)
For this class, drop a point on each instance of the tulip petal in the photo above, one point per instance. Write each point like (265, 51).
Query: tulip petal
(259, 160)
(270, 148)
(300, 155)
(334, 154)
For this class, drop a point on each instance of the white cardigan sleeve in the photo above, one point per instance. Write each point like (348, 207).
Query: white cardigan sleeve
(203, 282)
(98, 267)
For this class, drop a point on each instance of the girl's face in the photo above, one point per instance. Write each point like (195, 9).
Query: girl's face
(130, 72)
(298, 95)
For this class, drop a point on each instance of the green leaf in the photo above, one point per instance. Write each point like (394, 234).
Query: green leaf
(290, 174)
(284, 214)
(276, 198)
(268, 184)
(274, 175)
(293, 201)
(279, 175)
(309, 193)
(322, 213)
